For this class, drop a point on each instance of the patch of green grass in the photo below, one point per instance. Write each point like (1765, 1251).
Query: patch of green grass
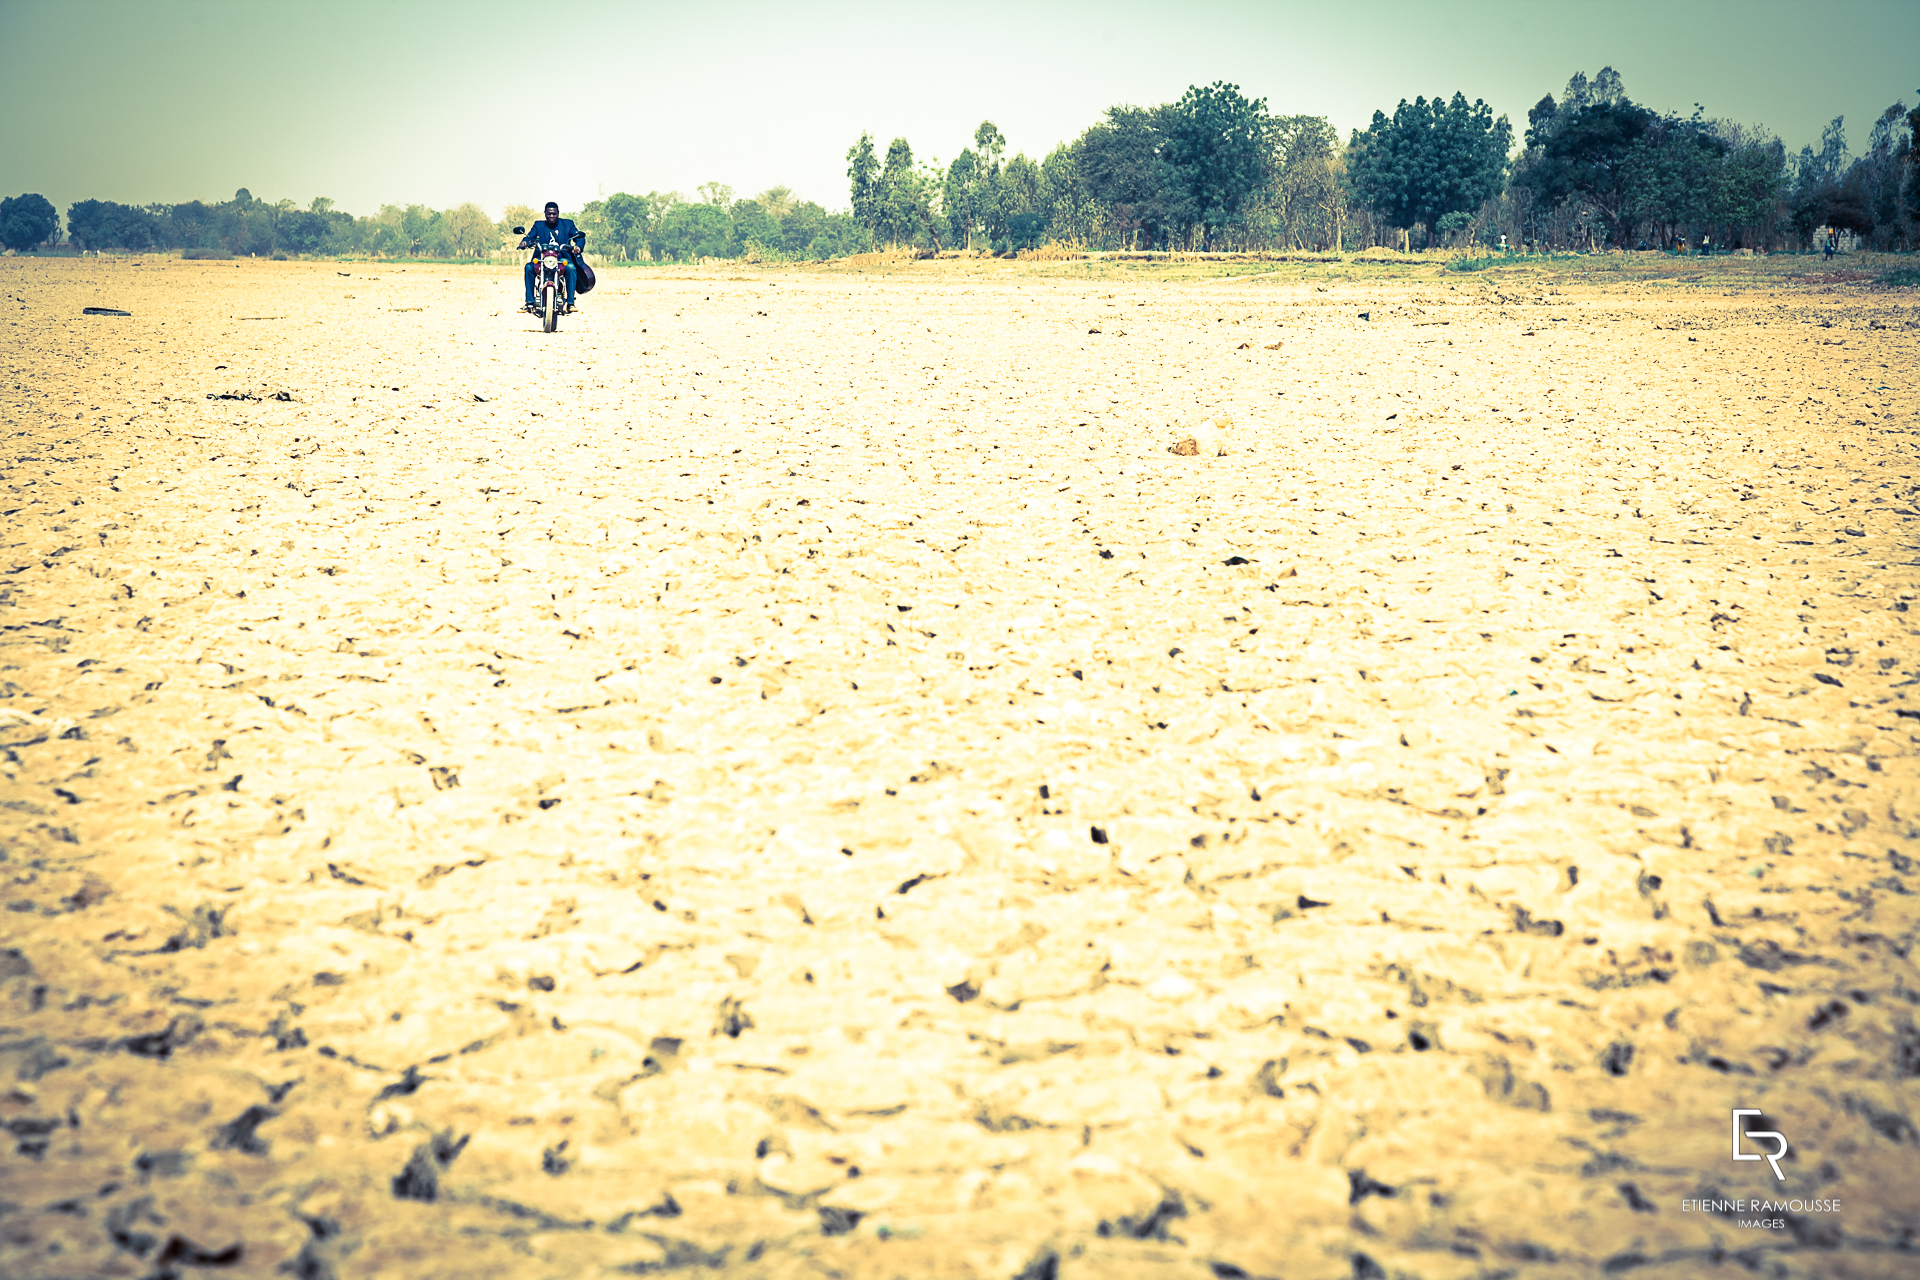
(1476, 264)
(1905, 279)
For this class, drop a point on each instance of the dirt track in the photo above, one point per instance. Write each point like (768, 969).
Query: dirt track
(789, 777)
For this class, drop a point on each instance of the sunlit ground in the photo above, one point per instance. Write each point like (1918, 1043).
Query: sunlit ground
(788, 776)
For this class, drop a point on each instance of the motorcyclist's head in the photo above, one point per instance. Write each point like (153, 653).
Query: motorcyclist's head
(553, 214)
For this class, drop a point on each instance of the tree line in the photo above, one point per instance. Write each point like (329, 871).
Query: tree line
(774, 225)
(1214, 170)
(1217, 170)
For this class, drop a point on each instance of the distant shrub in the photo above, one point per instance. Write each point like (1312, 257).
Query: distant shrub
(1474, 264)
(200, 255)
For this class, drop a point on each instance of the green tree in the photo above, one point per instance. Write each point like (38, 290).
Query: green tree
(516, 215)
(1674, 174)
(863, 172)
(1304, 193)
(1216, 143)
(895, 198)
(778, 201)
(416, 223)
(1430, 159)
(192, 225)
(1073, 216)
(103, 224)
(984, 200)
(1124, 170)
(1593, 154)
(756, 233)
(626, 219)
(956, 199)
(468, 232)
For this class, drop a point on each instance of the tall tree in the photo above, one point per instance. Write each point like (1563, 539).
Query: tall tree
(1431, 159)
(1123, 168)
(988, 144)
(1216, 143)
(626, 219)
(1592, 155)
(468, 231)
(863, 171)
(956, 199)
(27, 220)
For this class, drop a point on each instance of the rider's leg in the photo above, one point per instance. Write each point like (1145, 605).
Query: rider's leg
(572, 275)
(529, 275)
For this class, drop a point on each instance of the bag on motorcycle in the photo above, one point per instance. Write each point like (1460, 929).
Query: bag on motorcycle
(583, 277)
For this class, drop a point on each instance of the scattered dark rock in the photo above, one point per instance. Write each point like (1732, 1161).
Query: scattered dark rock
(1826, 1013)
(1147, 1226)
(554, 1161)
(407, 1085)
(41, 1059)
(1767, 955)
(1635, 1201)
(238, 1134)
(1617, 1058)
(838, 1222)
(123, 1222)
(733, 1019)
(161, 1044)
(1365, 1268)
(1268, 1077)
(180, 1251)
(1360, 1186)
(964, 990)
(34, 1134)
(1306, 904)
(1891, 1125)
(1906, 1053)
(161, 1164)
(420, 1180)
(285, 1035)
(1044, 1265)
(1523, 922)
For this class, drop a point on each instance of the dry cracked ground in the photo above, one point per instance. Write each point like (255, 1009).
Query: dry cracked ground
(789, 776)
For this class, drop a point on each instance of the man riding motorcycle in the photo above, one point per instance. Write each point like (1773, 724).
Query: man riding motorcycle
(557, 231)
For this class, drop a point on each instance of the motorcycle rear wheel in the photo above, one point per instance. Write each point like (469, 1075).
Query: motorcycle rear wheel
(550, 314)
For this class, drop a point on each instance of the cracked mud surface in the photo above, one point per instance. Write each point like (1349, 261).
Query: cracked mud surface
(789, 777)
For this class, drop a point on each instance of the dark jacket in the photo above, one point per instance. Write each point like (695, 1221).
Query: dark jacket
(540, 233)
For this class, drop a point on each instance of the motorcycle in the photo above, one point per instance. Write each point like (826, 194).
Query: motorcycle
(550, 279)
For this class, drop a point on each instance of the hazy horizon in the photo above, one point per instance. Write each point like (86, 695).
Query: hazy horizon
(371, 103)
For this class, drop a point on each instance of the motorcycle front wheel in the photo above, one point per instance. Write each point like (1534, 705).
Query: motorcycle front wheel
(550, 316)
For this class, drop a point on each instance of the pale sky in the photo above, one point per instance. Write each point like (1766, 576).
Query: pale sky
(377, 102)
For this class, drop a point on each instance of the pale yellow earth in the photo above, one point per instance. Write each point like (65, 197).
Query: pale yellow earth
(790, 777)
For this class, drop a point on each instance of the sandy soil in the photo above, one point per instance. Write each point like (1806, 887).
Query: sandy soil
(789, 776)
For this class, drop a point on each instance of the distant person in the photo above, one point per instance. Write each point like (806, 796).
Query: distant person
(561, 233)
(1829, 246)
